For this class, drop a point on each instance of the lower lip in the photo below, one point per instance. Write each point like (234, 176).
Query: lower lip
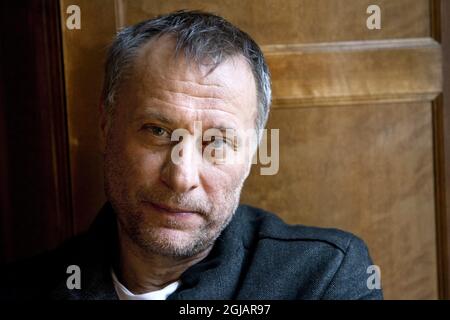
(180, 215)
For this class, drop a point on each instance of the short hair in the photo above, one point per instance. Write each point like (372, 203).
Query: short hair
(202, 37)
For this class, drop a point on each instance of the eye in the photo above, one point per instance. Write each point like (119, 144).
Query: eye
(156, 131)
(218, 142)
(221, 142)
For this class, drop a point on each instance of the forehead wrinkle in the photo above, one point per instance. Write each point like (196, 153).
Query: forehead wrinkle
(190, 108)
(155, 67)
(203, 99)
(192, 82)
(189, 87)
(184, 77)
(191, 101)
(214, 97)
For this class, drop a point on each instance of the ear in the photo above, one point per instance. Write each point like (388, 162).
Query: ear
(103, 127)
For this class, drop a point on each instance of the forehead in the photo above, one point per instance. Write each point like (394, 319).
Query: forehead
(162, 80)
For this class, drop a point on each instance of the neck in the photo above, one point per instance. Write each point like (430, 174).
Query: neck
(145, 272)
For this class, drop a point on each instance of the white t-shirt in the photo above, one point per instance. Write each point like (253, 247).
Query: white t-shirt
(125, 294)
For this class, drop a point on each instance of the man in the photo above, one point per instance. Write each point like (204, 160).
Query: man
(172, 227)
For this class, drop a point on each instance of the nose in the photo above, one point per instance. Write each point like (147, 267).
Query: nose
(182, 175)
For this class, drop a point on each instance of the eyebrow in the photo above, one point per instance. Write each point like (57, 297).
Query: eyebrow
(222, 128)
(149, 113)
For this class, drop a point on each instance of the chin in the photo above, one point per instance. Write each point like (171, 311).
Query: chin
(171, 242)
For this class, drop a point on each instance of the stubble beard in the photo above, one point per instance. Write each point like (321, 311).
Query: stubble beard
(176, 242)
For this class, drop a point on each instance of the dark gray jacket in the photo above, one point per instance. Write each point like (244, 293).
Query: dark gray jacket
(257, 256)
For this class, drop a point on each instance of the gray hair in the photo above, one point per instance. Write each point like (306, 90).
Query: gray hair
(202, 37)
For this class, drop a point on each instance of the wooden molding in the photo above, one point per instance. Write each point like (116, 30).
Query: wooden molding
(120, 13)
(355, 72)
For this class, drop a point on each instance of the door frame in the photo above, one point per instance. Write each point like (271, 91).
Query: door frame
(440, 28)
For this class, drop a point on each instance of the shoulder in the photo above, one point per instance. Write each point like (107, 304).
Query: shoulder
(309, 262)
(268, 226)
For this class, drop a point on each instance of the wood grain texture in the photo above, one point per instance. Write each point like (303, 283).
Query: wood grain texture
(363, 168)
(302, 21)
(84, 53)
(355, 73)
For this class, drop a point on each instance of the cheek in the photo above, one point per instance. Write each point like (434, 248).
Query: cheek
(220, 181)
(136, 164)
(145, 164)
(150, 164)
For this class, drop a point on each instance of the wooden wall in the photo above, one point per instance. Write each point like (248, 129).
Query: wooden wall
(356, 109)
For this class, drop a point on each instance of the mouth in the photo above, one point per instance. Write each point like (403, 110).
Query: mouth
(171, 211)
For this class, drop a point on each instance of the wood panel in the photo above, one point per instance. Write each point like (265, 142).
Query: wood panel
(35, 208)
(355, 72)
(353, 107)
(301, 21)
(84, 51)
(364, 168)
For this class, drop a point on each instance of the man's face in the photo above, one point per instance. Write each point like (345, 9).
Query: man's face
(177, 208)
